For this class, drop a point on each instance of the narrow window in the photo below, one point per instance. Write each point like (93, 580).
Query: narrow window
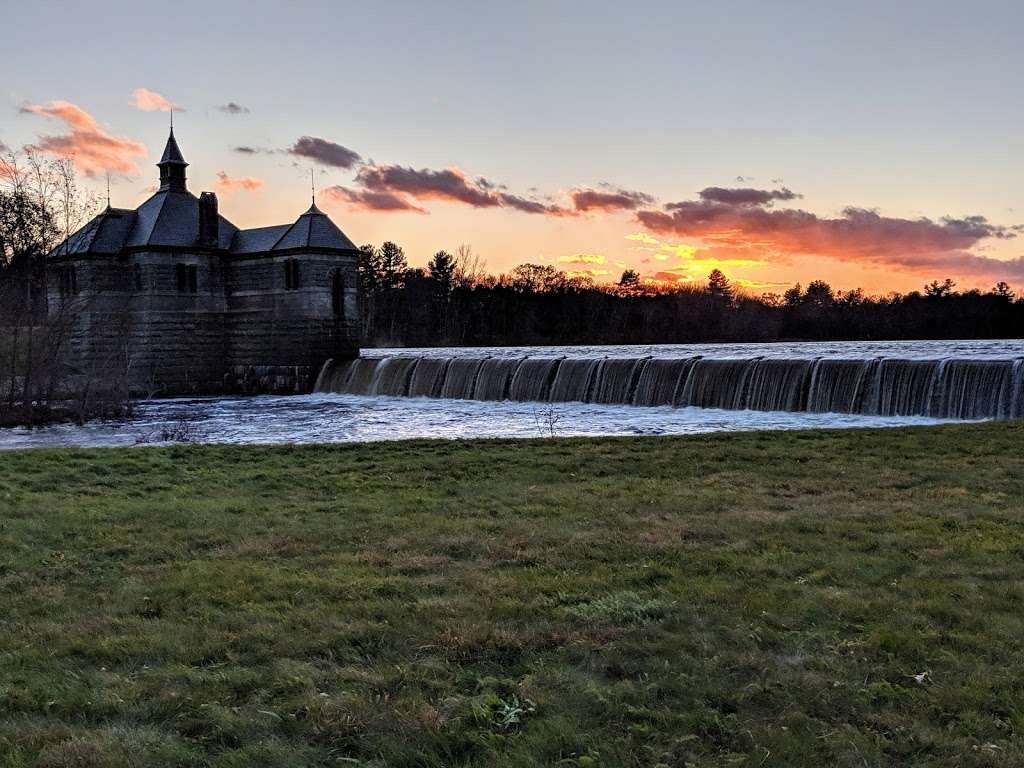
(188, 278)
(291, 274)
(67, 282)
(138, 277)
(338, 294)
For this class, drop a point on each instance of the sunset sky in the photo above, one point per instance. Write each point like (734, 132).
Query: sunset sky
(869, 144)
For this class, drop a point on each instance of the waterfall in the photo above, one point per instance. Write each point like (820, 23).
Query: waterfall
(392, 376)
(495, 378)
(840, 386)
(778, 385)
(616, 380)
(949, 389)
(357, 378)
(903, 387)
(660, 381)
(533, 379)
(428, 377)
(974, 389)
(460, 378)
(573, 380)
(717, 384)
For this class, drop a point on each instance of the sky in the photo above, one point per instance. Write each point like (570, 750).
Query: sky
(874, 145)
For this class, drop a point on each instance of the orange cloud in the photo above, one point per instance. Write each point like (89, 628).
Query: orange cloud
(582, 258)
(151, 101)
(227, 184)
(91, 148)
(751, 230)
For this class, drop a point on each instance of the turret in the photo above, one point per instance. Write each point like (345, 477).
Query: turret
(172, 167)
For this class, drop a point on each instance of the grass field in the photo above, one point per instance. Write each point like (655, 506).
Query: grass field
(849, 598)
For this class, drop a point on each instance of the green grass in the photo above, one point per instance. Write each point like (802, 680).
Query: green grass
(758, 599)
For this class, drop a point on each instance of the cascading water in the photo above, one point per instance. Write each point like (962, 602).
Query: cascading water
(616, 380)
(717, 384)
(659, 380)
(533, 379)
(950, 388)
(428, 377)
(778, 385)
(495, 379)
(392, 376)
(840, 386)
(460, 378)
(573, 380)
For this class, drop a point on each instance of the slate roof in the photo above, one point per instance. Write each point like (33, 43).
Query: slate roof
(314, 229)
(105, 233)
(171, 152)
(259, 240)
(170, 219)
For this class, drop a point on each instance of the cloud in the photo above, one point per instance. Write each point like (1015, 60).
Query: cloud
(746, 225)
(532, 206)
(582, 258)
(449, 184)
(370, 200)
(233, 108)
(226, 183)
(746, 195)
(607, 200)
(4, 148)
(90, 147)
(325, 152)
(151, 101)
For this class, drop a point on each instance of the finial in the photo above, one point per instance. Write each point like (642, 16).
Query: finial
(312, 186)
(172, 119)
(108, 190)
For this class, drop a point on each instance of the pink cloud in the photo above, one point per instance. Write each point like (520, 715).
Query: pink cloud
(151, 101)
(226, 183)
(89, 146)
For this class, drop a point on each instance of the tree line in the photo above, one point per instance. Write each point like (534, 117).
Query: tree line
(454, 301)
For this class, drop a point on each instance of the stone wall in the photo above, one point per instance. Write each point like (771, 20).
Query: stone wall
(242, 330)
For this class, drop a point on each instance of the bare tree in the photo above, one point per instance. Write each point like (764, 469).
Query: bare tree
(40, 205)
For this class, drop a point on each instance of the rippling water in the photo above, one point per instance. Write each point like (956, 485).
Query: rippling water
(334, 418)
(1001, 349)
(349, 418)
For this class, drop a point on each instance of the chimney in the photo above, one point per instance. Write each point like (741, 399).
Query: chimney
(209, 223)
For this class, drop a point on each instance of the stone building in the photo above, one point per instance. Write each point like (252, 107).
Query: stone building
(176, 299)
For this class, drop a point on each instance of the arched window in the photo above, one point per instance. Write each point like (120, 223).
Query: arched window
(338, 294)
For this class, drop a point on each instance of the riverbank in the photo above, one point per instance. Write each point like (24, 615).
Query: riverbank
(788, 598)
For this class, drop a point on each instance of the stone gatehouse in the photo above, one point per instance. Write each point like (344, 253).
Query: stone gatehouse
(181, 301)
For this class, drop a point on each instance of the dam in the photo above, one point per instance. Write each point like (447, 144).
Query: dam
(944, 388)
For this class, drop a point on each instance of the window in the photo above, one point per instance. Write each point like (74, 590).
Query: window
(291, 274)
(137, 271)
(67, 282)
(188, 278)
(338, 294)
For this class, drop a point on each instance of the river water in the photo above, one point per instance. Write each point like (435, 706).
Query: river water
(761, 386)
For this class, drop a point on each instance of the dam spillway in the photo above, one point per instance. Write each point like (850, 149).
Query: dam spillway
(947, 388)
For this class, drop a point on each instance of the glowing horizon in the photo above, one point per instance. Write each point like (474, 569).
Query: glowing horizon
(767, 198)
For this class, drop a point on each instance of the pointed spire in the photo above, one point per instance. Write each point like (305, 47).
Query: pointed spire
(172, 166)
